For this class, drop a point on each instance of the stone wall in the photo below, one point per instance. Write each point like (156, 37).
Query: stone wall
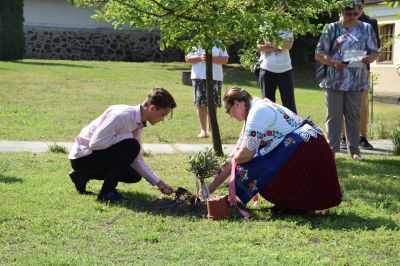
(97, 44)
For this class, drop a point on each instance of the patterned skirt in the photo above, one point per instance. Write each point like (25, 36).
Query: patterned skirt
(200, 92)
(308, 180)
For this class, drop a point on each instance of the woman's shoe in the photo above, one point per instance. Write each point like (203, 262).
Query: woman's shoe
(365, 144)
(343, 143)
(356, 157)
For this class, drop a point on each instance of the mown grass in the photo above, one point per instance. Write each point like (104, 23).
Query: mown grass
(43, 221)
(52, 100)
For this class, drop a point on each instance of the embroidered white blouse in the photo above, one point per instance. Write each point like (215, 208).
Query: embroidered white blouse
(266, 126)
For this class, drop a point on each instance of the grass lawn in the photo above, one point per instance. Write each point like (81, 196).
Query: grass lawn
(52, 100)
(43, 221)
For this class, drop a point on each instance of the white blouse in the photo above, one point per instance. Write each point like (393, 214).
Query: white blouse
(266, 126)
(199, 68)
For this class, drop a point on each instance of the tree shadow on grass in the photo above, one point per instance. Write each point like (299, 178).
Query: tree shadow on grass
(240, 77)
(166, 206)
(51, 64)
(329, 220)
(174, 67)
(10, 179)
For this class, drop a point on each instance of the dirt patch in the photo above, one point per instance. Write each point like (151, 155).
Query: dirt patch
(184, 203)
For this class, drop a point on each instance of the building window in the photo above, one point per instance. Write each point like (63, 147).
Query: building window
(386, 33)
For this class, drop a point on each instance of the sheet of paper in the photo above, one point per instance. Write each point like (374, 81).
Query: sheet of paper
(354, 57)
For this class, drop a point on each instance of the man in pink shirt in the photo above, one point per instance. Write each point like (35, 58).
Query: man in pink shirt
(109, 147)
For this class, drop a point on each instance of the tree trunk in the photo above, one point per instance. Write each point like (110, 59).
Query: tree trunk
(212, 114)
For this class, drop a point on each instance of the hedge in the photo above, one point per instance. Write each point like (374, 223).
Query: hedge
(12, 41)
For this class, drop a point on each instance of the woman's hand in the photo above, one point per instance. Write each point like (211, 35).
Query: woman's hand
(164, 188)
(339, 65)
(220, 178)
(366, 60)
(370, 58)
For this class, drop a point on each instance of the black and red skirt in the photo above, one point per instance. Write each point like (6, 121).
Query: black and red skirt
(305, 180)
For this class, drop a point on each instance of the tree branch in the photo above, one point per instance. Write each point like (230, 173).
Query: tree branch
(138, 9)
(172, 12)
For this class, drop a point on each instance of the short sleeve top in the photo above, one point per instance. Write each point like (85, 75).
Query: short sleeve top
(277, 61)
(199, 68)
(359, 37)
(266, 126)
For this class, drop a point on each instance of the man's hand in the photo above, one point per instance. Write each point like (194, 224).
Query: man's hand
(164, 188)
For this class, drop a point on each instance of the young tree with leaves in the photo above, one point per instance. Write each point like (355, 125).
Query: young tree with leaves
(200, 23)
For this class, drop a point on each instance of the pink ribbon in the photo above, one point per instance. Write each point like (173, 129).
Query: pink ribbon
(232, 191)
(255, 200)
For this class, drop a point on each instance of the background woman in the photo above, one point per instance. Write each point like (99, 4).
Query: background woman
(276, 71)
(198, 60)
(344, 83)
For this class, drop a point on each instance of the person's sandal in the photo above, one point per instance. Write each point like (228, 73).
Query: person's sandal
(356, 157)
(202, 134)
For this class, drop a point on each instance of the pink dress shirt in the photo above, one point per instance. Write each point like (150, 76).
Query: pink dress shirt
(117, 123)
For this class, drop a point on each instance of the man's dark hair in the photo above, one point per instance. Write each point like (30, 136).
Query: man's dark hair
(160, 98)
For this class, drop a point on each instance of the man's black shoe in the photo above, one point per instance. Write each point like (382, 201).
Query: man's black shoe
(365, 144)
(111, 196)
(343, 144)
(79, 182)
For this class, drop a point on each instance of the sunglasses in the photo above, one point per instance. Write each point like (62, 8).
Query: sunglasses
(228, 111)
(351, 13)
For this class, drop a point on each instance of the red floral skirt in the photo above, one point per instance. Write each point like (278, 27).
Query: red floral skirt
(308, 181)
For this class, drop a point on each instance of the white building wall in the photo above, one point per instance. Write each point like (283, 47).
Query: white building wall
(388, 80)
(59, 14)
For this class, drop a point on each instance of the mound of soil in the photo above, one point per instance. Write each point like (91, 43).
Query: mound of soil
(184, 203)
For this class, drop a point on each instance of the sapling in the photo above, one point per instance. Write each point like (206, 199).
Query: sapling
(204, 164)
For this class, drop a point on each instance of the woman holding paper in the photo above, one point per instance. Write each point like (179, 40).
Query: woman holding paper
(346, 47)
(279, 155)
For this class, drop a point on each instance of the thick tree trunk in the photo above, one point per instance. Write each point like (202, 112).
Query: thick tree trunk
(211, 106)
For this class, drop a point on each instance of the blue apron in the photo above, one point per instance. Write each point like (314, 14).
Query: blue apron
(254, 176)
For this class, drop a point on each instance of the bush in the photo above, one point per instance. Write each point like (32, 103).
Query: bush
(396, 140)
(58, 149)
(12, 40)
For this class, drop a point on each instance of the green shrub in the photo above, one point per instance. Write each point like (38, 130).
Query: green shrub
(380, 130)
(396, 140)
(58, 149)
(12, 40)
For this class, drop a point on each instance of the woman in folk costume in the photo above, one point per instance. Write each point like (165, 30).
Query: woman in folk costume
(280, 156)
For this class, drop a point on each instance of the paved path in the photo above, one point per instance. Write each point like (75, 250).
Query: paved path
(382, 146)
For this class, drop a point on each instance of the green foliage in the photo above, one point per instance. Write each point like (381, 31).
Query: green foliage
(193, 23)
(12, 42)
(204, 164)
(396, 140)
(392, 4)
(57, 149)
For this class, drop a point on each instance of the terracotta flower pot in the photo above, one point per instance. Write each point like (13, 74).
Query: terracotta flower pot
(218, 208)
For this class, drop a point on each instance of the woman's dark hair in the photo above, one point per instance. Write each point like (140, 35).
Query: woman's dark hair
(240, 95)
(353, 4)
